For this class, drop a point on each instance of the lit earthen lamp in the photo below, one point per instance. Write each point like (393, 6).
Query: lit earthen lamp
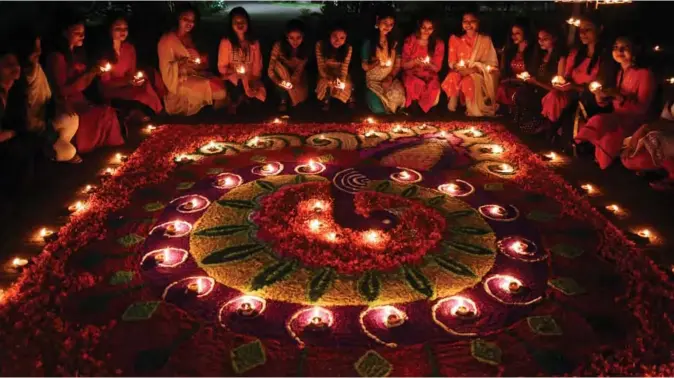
(317, 324)
(246, 309)
(462, 311)
(394, 319)
(192, 204)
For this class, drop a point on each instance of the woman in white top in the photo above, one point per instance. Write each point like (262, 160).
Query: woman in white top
(184, 70)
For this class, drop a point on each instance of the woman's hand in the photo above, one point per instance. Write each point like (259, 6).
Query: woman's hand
(6, 135)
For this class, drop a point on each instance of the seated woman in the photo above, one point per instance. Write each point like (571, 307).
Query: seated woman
(584, 64)
(69, 76)
(472, 60)
(515, 60)
(548, 61)
(631, 98)
(652, 147)
(123, 81)
(240, 60)
(421, 61)
(381, 63)
(333, 56)
(17, 151)
(189, 85)
(288, 59)
(30, 104)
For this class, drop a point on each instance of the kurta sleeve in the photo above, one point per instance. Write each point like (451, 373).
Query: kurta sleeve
(365, 51)
(640, 102)
(320, 61)
(438, 54)
(273, 61)
(492, 57)
(168, 66)
(57, 68)
(407, 50)
(452, 56)
(345, 65)
(257, 60)
(224, 54)
(569, 64)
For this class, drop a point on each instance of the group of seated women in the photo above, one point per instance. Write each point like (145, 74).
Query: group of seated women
(599, 98)
(538, 83)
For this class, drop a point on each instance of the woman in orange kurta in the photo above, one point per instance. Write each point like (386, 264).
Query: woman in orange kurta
(69, 76)
(124, 81)
(240, 61)
(632, 100)
(422, 60)
(473, 75)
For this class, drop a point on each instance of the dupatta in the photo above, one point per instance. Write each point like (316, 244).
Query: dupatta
(483, 56)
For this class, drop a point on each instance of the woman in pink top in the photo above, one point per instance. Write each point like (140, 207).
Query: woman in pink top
(69, 76)
(124, 81)
(631, 99)
(473, 70)
(422, 60)
(515, 59)
(240, 61)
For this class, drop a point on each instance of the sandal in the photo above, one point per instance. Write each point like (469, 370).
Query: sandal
(77, 159)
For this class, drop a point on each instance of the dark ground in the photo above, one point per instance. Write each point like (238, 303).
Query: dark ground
(59, 184)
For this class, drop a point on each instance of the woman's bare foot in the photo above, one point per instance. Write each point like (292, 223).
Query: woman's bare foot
(77, 159)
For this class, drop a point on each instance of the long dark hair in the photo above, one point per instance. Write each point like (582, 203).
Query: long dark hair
(330, 52)
(510, 50)
(24, 42)
(108, 52)
(433, 38)
(62, 46)
(231, 34)
(302, 49)
(383, 13)
(558, 51)
(600, 46)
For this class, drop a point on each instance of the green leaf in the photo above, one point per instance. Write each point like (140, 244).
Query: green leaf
(129, 240)
(266, 185)
(223, 230)
(320, 283)
(410, 192)
(185, 185)
(568, 251)
(247, 356)
(493, 186)
(566, 285)
(372, 364)
(140, 311)
(468, 248)
(214, 171)
(417, 280)
(299, 179)
(544, 325)
(121, 277)
(258, 158)
(459, 214)
(234, 253)
(274, 273)
(541, 216)
(237, 204)
(369, 285)
(488, 353)
(383, 186)
(437, 200)
(453, 266)
(153, 206)
(470, 231)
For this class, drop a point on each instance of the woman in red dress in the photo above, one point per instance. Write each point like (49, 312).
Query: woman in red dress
(69, 76)
(652, 147)
(124, 81)
(515, 59)
(422, 60)
(631, 99)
